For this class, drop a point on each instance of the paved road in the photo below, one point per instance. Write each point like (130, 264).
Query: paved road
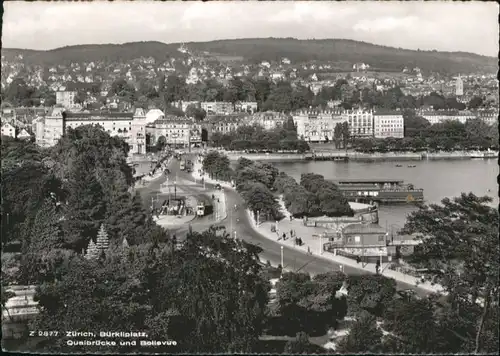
(293, 259)
(153, 189)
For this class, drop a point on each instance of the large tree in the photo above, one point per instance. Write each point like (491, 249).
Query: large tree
(364, 336)
(460, 247)
(208, 295)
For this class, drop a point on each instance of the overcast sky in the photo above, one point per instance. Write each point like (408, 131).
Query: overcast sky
(447, 26)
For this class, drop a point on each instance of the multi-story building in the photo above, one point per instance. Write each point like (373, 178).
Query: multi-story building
(66, 99)
(37, 127)
(246, 106)
(183, 105)
(436, 117)
(489, 117)
(217, 107)
(8, 130)
(129, 126)
(175, 131)
(268, 120)
(226, 124)
(388, 124)
(360, 122)
(317, 126)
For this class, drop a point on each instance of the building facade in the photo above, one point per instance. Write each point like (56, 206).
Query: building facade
(268, 120)
(489, 117)
(246, 106)
(129, 126)
(436, 117)
(360, 122)
(317, 126)
(183, 105)
(217, 107)
(226, 124)
(66, 99)
(388, 125)
(8, 130)
(176, 132)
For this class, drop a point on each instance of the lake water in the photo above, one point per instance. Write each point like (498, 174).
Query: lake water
(438, 178)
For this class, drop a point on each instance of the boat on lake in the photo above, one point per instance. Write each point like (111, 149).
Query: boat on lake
(385, 191)
(484, 154)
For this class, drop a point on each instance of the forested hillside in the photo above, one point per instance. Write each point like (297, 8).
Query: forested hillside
(341, 52)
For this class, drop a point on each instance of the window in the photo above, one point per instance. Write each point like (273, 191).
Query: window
(381, 238)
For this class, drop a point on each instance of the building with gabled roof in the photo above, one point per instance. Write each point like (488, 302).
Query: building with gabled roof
(8, 130)
(23, 135)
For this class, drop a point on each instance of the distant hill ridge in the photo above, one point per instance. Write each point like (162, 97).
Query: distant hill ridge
(254, 50)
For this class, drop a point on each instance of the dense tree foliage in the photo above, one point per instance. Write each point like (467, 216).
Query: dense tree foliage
(208, 296)
(217, 166)
(196, 112)
(461, 250)
(55, 200)
(305, 304)
(448, 135)
(314, 196)
(256, 138)
(26, 182)
(371, 293)
(364, 336)
(19, 93)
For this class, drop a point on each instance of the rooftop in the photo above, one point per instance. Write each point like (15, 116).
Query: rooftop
(364, 229)
(104, 115)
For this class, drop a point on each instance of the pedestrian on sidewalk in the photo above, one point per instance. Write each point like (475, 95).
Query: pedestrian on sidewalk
(358, 259)
(284, 236)
(291, 217)
(291, 233)
(308, 250)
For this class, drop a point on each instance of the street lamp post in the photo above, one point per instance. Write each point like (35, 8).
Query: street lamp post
(258, 218)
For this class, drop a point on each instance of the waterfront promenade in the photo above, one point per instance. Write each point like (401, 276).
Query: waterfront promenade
(351, 156)
(312, 245)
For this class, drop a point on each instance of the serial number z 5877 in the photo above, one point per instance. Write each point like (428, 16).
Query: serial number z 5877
(43, 333)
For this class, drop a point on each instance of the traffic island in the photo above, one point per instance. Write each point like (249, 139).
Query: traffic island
(169, 221)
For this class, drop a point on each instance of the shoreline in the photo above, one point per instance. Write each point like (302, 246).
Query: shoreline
(314, 251)
(354, 156)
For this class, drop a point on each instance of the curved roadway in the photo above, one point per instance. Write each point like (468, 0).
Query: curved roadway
(292, 259)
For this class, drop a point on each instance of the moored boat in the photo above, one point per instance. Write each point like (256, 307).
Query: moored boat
(485, 154)
(379, 190)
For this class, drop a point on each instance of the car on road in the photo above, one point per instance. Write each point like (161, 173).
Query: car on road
(218, 186)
